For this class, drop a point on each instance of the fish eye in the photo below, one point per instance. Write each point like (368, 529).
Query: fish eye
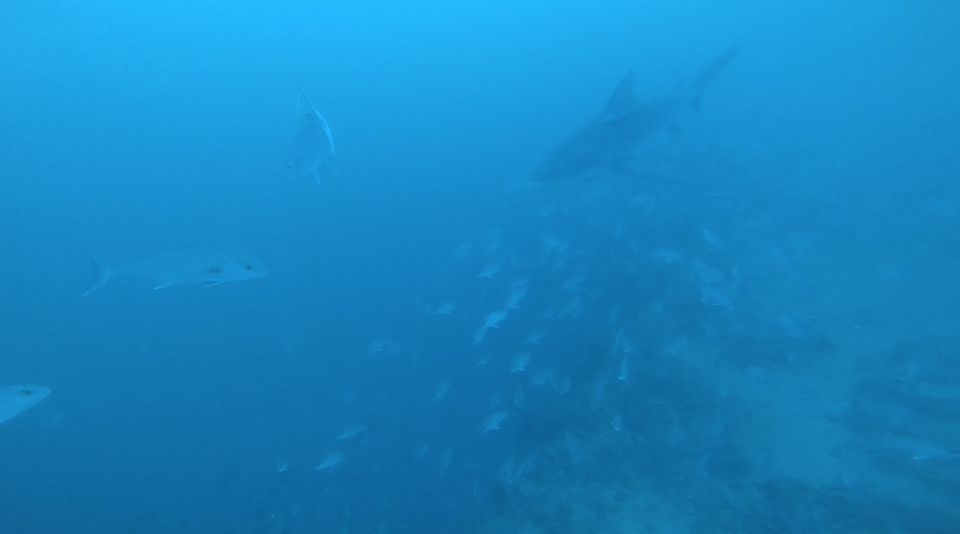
(26, 392)
(249, 267)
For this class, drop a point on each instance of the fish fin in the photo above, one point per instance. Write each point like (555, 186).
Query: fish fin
(708, 74)
(310, 109)
(301, 99)
(609, 119)
(164, 283)
(630, 165)
(101, 275)
(316, 175)
(695, 103)
(209, 283)
(621, 102)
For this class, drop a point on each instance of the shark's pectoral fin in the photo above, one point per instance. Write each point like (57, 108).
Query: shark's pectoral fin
(163, 283)
(609, 119)
(630, 165)
(100, 275)
(695, 103)
(316, 175)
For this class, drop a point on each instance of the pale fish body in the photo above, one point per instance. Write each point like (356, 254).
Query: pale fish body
(493, 319)
(444, 463)
(446, 308)
(352, 430)
(617, 422)
(571, 308)
(520, 399)
(520, 362)
(442, 389)
(490, 270)
(561, 384)
(624, 375)
(330, 461)
(495, 400)
(514, 298)
(493, 421)
(377, 345)
(535, 337)
(19, 398)
(541, 377)
(202, 266)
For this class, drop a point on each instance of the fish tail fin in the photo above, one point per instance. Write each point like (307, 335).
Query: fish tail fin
(303, 103)
(708, 74)
(100, 275)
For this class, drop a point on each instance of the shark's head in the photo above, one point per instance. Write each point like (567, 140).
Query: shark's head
(234, 266)
(562, 163)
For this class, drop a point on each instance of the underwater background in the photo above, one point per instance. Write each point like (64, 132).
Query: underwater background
(761, 338)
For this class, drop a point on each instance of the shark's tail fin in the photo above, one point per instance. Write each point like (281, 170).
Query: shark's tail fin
(100, 275)
(708, 74)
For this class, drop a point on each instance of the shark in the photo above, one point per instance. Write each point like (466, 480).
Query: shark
(609, 140)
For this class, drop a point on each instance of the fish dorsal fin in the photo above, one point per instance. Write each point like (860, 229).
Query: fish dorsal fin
(621, 102)
(305, 107)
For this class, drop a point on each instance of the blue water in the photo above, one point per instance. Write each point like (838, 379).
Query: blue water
(784, 292)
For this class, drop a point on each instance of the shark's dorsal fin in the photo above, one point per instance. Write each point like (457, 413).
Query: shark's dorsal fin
(621, 102)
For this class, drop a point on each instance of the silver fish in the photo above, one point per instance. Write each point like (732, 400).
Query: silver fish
(203, 266)
(617, 422)
(444, 463)
(446, 308)
(624, 374)
(330, 461)
(493, 319)
(490, 270)
(19, 398)
(442, 389)
(493, 421)
(520, 362)
(520, 399)
(541, 377)
(535, 337)
(514, 298)
(352, 430)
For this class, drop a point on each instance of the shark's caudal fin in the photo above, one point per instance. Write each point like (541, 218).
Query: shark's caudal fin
(708, 74)
(101, 275)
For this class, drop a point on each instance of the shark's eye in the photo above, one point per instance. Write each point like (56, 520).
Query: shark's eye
(249, 267)
(26, 392)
